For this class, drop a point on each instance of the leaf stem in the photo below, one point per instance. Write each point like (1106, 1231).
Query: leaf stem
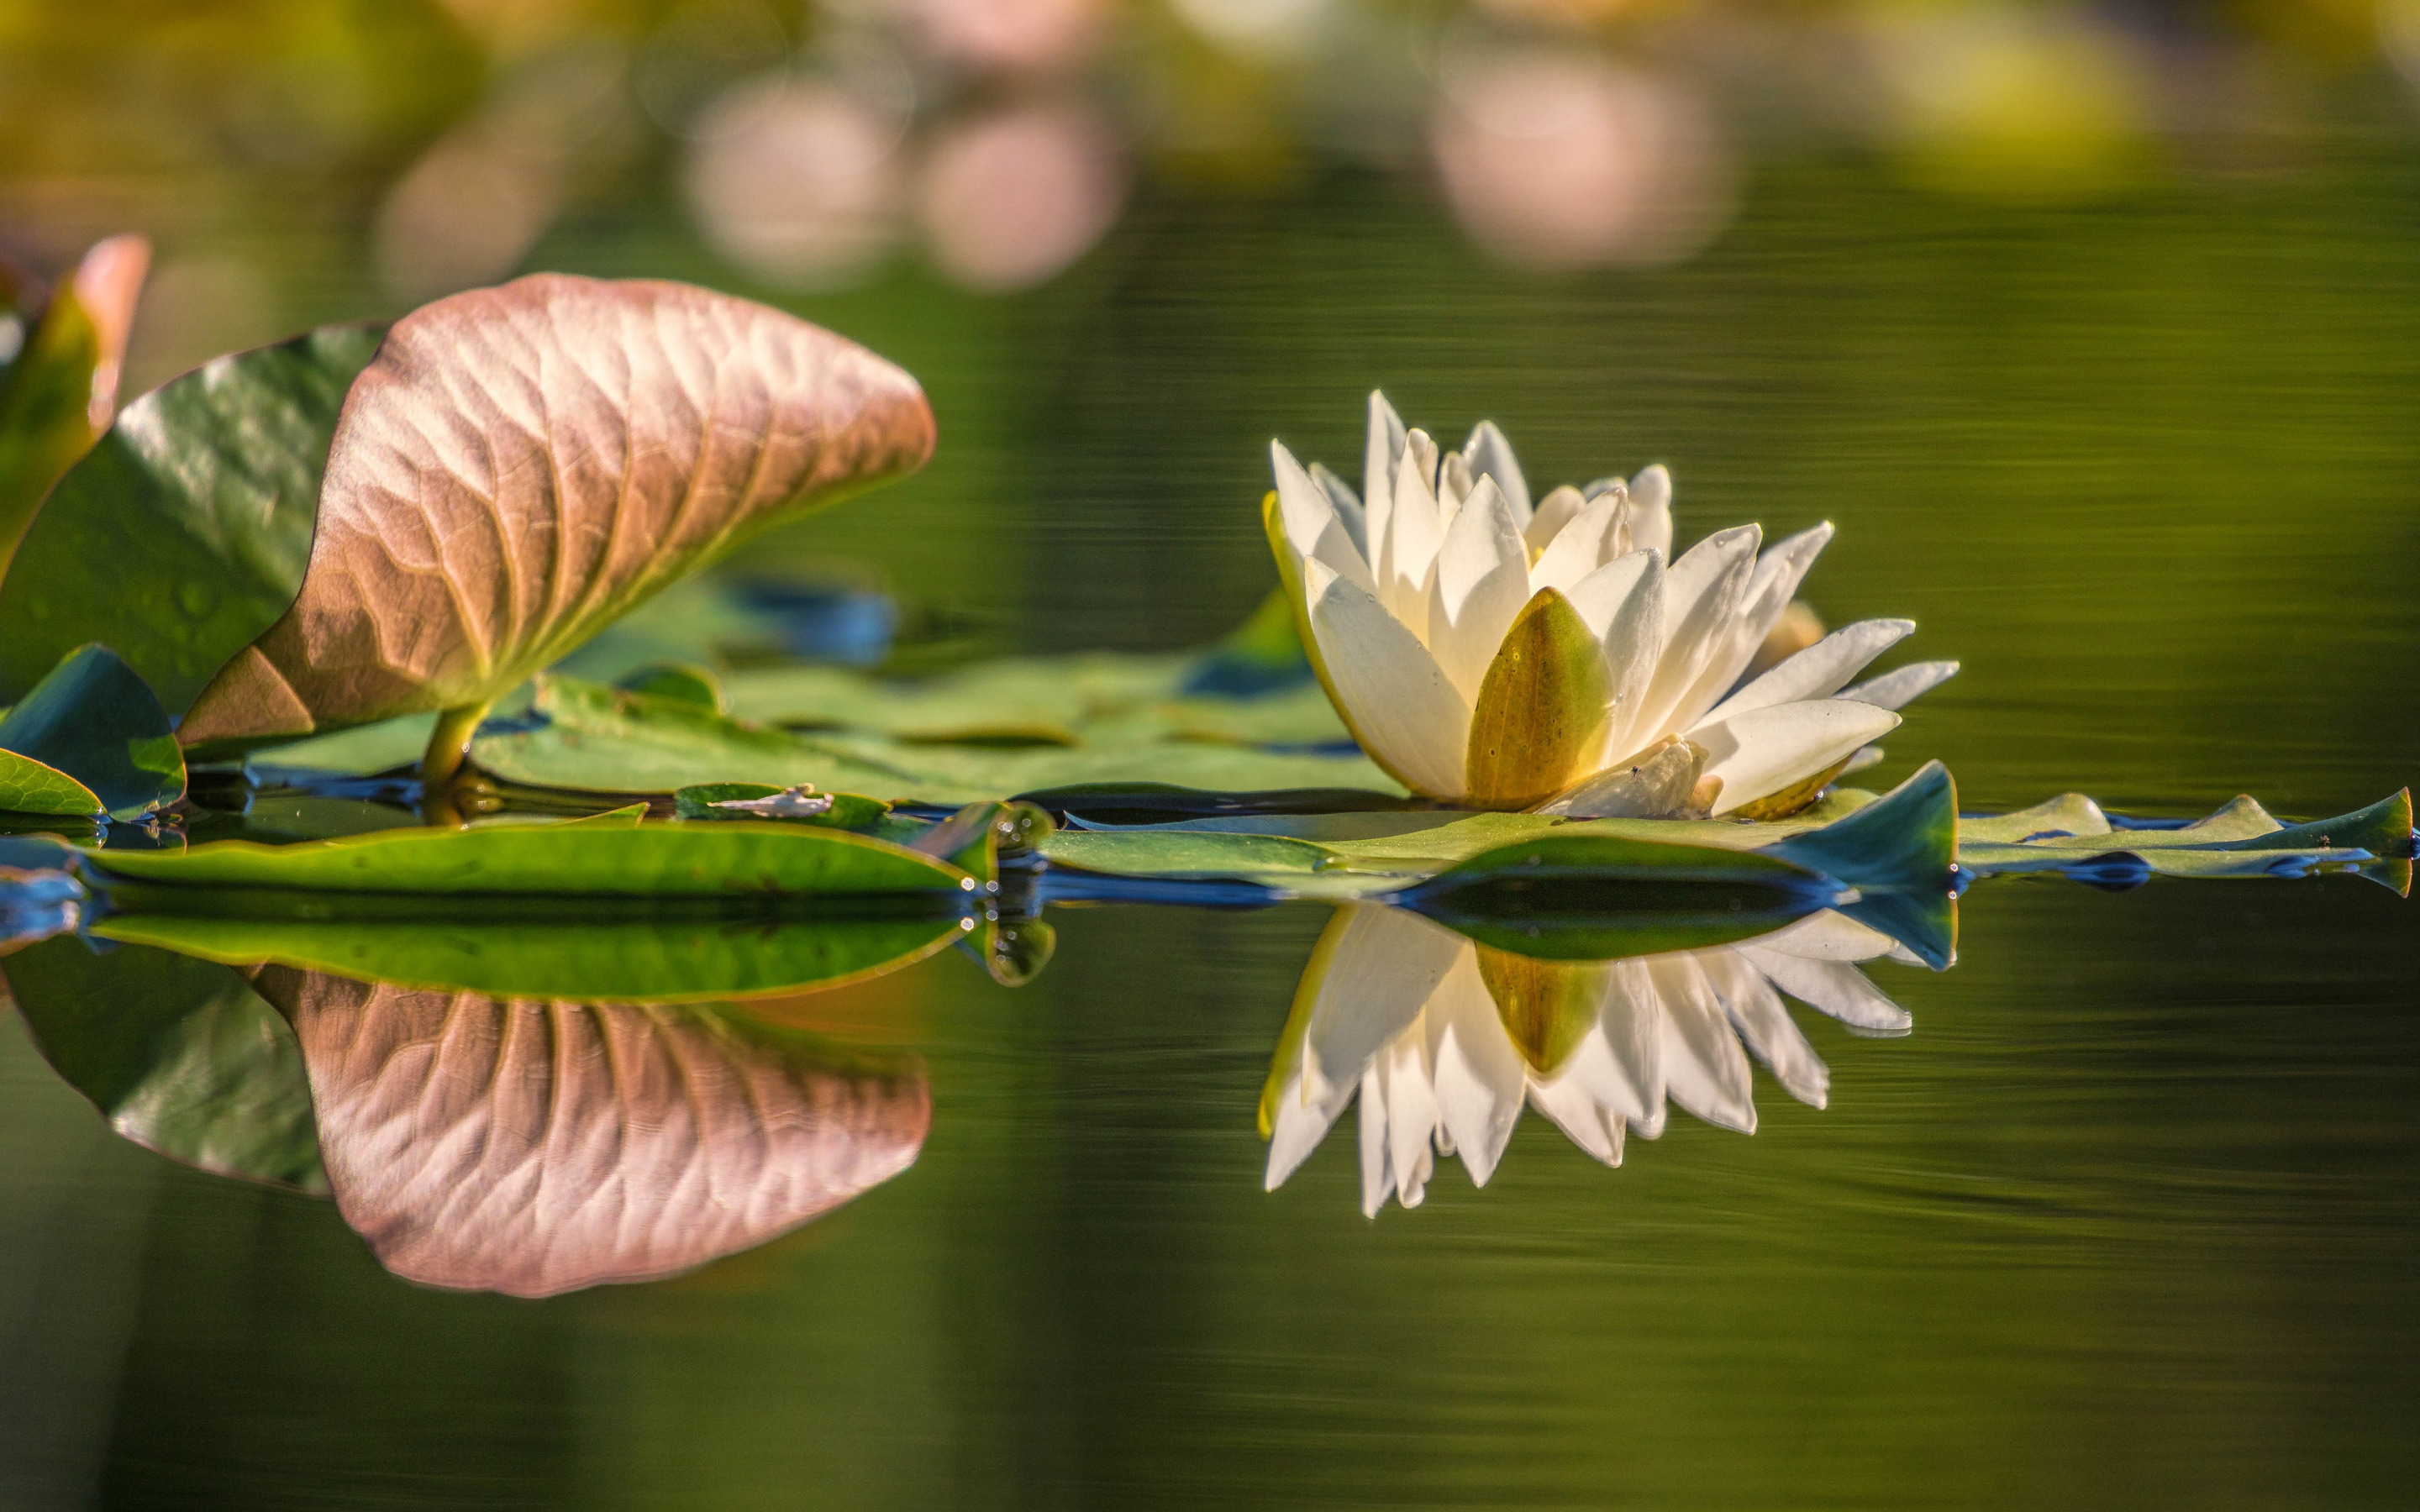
(449, 745)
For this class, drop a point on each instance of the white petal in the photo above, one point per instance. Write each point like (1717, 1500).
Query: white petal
(1382, 966)
(1556, 511)
(1379, 454)
(1770, 588)
(1701, 593)
(1491, 456)
(1393, 692)
(1618, 589)
(1650, 514)
(1610, 1078)
(1763, 1021)
(1298, 1127)
(1405, 1071)
(1414, 536)
(1830, 936)
(1902, 686)
(1348, 506)
(1764, 750)
(1579, 547)
(1377, 1168)
(1705, 1070)
(1454, 484)
(1630, 1027)
(1480, 1078)
(1310, 522)
(1623, 603)
(1481, 581)
(1785, 562)
(1567, 1104)
(1819, 670)
(1832, 987)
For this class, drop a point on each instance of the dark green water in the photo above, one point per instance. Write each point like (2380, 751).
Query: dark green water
(2128, 1220)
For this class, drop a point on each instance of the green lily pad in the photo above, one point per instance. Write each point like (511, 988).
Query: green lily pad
(2241, 840)
(680, 681)
(1904, 841)
(90, 739)
(1054, 701)
(183, 535)
(1899, 841)
(363, 751)
(757, 801)
(721, 863)
(606, 740)
(31, 787)
(180, 1056)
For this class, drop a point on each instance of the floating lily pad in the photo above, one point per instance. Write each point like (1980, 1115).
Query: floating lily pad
(1900, 841)
(761, 802)
(723, 863)
(90, 739)
(2072, 834)
(605, 740)
(680, 681)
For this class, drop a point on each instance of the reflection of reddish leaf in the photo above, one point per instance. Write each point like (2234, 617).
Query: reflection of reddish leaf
(519, 466)
(533, 1147)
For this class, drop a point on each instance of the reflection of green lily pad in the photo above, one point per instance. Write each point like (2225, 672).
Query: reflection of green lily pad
(1592, 897)
(179, 1054)
(636, 960)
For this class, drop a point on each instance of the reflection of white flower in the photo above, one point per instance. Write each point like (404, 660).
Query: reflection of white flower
(1488, 651)
(1444, 1038)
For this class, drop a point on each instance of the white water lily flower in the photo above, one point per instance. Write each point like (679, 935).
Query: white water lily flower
(1443, 1040)
(1489, 650)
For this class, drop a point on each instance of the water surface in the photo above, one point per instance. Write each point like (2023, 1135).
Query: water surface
(2126, 1220)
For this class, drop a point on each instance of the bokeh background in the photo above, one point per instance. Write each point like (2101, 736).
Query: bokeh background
(2091, 325)
(2095, 327)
